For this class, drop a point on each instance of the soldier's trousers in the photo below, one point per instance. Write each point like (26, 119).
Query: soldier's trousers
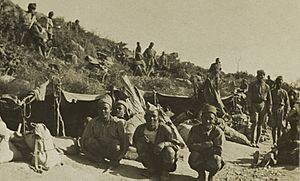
(277, 122)
(257, 116)
(165, 161)
(201, 163)
(99, 150)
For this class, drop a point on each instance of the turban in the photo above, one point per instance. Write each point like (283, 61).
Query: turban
(209, 109)
(122, 103)
(151, 108)
(105, 99)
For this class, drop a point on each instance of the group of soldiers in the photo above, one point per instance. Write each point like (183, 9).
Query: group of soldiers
(38, 32)
(146, 63)
(106, 136)
(265, 99)
(33, 32)
(106, 140)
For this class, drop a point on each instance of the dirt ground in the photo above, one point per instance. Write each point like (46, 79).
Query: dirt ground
(76, 168)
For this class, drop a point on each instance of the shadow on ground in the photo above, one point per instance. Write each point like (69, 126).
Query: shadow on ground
(289, 167)
(243, 162)
(83, 160)
(133, 172)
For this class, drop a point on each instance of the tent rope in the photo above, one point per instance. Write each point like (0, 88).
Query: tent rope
(57, 101)
(27, 114)
(59, 116)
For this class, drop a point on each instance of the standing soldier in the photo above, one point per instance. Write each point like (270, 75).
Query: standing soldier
(139, 64)
(30, 25)
(270, 82)
(198, 85)
(217, 65)
(211, 90)
(138, 51)
(163, 61)
(280, 108)
(205, 142)
(76, 26)
(149, 55)
(49, 25)
(260, 103)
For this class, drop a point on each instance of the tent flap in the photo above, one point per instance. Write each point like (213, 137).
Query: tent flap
(74, 97)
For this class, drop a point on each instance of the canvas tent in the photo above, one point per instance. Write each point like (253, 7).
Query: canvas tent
(39, 106)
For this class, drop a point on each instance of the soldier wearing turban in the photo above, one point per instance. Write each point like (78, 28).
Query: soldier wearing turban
(205, 142)
(104, 136)
(156, 146)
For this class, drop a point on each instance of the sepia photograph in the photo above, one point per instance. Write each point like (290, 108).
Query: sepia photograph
(160, 90)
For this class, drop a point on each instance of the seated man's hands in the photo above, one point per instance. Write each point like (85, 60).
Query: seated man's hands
(207, 144)
(158, 148)
(201, 146)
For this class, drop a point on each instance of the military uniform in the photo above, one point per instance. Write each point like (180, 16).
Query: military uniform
(212, 94)
(49, 28)
(280, 107)
(289, 142)
(104, 140)
(163, 62)
(138, 53)
(145, 141)
(149, 55)
(204, 158)
(260, 103)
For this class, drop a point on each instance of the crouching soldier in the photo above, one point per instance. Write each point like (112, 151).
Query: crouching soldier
(288, 149)
(205, 142)
(104, 136)
(156, 146)
(289, 142)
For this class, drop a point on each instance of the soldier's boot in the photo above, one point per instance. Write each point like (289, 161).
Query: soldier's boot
(164, 176)
(211, 177)
(255, 159)
(259, 128)
(201, 176)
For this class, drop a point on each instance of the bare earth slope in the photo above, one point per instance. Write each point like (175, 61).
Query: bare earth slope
(76, 168)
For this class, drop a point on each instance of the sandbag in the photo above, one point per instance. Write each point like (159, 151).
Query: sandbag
(230, 133)
(132, 124)
(67, 144)
(163, 118)
(182, 117)
(185, 127)
(234, 136)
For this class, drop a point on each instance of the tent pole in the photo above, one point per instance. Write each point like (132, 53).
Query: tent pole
(24, 124)
(55, 95)
(154, 97)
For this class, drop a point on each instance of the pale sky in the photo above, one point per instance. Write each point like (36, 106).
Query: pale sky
(260, 34)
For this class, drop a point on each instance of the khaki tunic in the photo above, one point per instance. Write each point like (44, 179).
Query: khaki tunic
(104, 140)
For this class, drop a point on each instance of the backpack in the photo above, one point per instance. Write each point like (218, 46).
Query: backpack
(45, 153)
